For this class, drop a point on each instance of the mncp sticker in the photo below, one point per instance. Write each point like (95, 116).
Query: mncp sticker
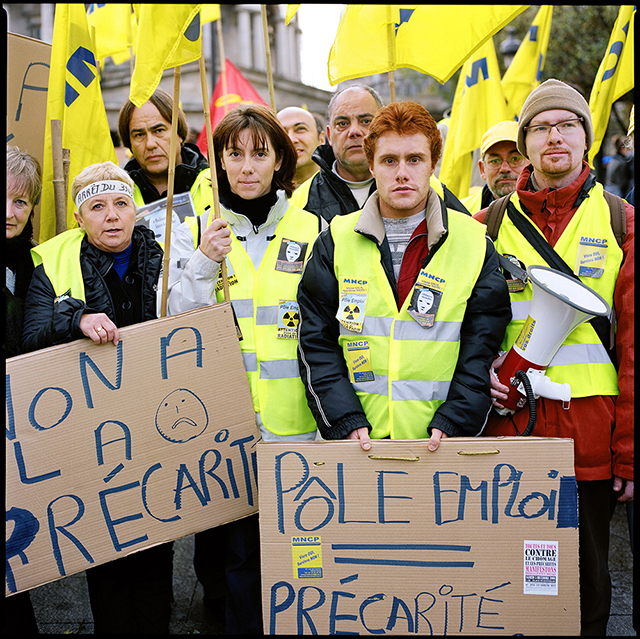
(306, 551)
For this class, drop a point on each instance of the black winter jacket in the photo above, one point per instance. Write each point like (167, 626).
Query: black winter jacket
(49, 322)
(330, 196)
(331, 397)
(193, 163)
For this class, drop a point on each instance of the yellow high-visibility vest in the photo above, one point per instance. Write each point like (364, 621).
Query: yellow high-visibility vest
(411, 367)
(264, 302)
(60, 257)
(582, 360)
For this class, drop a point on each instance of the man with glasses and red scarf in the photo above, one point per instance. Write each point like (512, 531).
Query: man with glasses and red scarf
(559, 197)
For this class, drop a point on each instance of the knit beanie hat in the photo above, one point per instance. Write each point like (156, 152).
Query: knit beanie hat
(553, 94)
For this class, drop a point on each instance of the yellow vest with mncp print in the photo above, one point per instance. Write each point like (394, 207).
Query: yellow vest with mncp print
(265, 305)
(409, 367)
(60, 257)
(582, 360)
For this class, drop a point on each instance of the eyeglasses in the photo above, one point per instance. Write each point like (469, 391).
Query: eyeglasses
(566, 127)
(515, 162)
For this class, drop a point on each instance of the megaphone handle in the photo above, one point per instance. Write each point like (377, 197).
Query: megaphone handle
(531, 401)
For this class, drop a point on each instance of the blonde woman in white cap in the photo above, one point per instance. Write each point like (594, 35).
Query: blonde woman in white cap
(558, 195)
(88, 282)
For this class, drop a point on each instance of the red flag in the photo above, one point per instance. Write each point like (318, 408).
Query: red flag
(239, 91)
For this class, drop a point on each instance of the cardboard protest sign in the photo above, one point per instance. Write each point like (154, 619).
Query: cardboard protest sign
(112, 449)
(27, 83)
(478, 537)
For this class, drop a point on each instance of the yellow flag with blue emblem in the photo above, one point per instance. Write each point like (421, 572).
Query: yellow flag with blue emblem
(614, 77)
(525, 72)
(74, 97)
(380, 38)
(111, 27)
(168, 36)
(477, 105)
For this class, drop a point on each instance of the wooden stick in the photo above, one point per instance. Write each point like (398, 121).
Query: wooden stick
(223, 69)
(59, 192)
(267, 51)
(212, 164)
(66, 165)
(173, 144)
(391, 43)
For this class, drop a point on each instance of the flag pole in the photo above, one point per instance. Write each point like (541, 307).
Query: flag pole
(391, 42)
(59, 191)
(131, 65)
(223, 69)
(212, 163)
(267, 51)
(173, 143)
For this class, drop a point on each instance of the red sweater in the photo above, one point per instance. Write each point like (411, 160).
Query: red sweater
(601, 426)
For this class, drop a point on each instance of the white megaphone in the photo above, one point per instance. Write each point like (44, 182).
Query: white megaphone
(559, 304)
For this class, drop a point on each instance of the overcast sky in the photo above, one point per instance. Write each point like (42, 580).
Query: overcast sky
(319, 24)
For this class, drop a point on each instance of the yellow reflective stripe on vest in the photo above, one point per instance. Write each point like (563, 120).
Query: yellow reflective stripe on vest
(582, 360)
(271, 362)
(412, 366)
(60, 257)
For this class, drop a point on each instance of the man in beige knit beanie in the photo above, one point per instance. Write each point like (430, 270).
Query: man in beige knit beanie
(558, 195)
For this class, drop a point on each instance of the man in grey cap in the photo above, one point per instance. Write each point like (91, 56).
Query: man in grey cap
(559, 197)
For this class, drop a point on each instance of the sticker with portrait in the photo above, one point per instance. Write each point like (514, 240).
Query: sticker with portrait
(424, 305)
(291, 256)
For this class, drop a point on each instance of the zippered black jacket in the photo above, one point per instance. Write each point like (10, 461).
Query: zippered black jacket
(128, 301)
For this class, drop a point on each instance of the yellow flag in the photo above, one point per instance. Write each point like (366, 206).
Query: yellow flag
(614, 77)
(477, 105)
(110, 24)
(432, 39)
(291, 11)
(74, 98)
(525, 72)
(209, 13)
(169, 35)
(124, 55)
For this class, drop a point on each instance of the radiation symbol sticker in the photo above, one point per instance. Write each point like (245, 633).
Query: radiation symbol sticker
(290, 319)
(351, 311)
(353, 303)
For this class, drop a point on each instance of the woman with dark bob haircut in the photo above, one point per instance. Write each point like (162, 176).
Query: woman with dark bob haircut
(266, 242)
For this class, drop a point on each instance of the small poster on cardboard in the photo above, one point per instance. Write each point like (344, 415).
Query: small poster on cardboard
(154, 215)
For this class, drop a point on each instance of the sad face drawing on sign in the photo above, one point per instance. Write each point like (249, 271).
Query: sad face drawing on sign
(181, 416)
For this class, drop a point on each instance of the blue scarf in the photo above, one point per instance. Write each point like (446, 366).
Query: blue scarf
(121, 260)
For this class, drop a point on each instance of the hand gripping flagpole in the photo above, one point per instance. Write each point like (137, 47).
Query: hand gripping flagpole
(212, 164)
